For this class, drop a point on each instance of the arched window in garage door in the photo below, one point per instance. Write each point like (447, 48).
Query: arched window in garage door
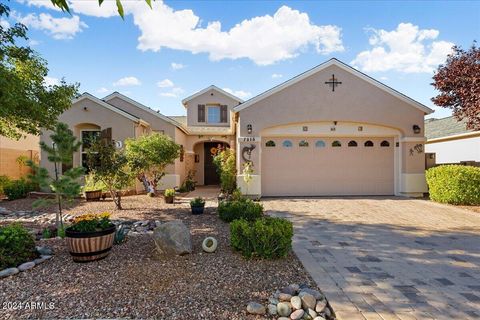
(368, 143)
(320, 144)
(336, 143)
(287, 144)
(352, 143)
(270, 143)
(303, 143)
(385, 143)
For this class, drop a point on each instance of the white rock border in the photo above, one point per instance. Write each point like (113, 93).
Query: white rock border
(24, 266)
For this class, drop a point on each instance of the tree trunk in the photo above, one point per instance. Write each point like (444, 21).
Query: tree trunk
(117, 199)
(144, 180)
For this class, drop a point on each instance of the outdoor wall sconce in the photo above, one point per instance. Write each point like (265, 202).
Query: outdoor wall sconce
(305, 128)
(360, 128)
(249, 128)
(416, 129)
(85, 109)
(334, 123)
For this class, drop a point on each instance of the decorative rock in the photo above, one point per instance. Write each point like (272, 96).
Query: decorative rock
(209, 244)
(314, 293)
(288, 290)
(255, 308)
(45, 257)
(284, 297)
(283, 309)
(39, 261)
(311, 313)
(327, 312)
(320, 306)
(272, 309)
(45, 251)
(273, 301)
(295, 287)
(296, 302)
(297, 315)
(173, 238)
(283, 318)
(319, 318)
(27, 265)
(308, 301)
(8, 272)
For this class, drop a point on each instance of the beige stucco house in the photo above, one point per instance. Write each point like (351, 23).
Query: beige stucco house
(329, 131)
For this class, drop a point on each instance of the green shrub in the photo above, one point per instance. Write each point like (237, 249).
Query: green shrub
(225, 162)
(267, 237)
(197, 202)
(18, 189)
(454, 184)
(4, 180)
(16, 246)
(240, 209)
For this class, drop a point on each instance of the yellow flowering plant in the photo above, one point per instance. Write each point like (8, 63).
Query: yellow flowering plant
(91, 222)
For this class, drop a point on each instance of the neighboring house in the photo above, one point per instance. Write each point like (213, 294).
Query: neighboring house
(14, 153)
(329, 131)
(449, 141)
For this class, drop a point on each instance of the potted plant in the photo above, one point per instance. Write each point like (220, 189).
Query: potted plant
(93, 190)
(197, 205)
(90, 237)
(169, 195)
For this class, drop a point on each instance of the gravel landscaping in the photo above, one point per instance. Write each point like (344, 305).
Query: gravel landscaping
(135, 282)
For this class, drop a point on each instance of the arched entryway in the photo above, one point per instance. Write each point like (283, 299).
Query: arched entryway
(205, 170)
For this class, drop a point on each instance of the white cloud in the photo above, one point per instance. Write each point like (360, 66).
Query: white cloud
(173, 93)
(58, 28)
(91, 8)
(165, 83)
(51, 81)
(40, 3)
(263, 39)
(406, 49)
(277, 75)
(33, 43)
(127, 81)
(4, 24)
(239, 93)
(102, 90)
(177, 66)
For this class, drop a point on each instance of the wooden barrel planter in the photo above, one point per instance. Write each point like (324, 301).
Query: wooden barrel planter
(94, 195)
(90, 246)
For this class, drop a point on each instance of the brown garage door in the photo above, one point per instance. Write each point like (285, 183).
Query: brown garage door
(327, 166)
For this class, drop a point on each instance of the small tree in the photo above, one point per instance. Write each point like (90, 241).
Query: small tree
(458, 81)
(65, 186)
(226, 162)
(109, 166)
(149, 155)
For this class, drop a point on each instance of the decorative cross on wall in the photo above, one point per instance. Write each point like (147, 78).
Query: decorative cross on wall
(333, 82)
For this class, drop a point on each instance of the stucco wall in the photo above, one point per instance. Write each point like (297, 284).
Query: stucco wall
(95, 116)
(454, 151)
(210, 97)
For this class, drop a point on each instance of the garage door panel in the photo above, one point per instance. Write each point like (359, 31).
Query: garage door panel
(312, 170)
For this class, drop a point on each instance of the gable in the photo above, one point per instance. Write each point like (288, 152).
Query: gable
(211, 91)
(323, 67)
(310, 99)
(158, 121)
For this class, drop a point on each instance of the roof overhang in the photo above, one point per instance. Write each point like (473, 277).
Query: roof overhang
(143, 107)
(343, 66)
(212, 87)
(455, 137)
(90, 97)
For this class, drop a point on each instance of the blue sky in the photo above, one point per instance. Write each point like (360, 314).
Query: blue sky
(160, 56)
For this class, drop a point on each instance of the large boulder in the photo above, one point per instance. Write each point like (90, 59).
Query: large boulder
(172, 238)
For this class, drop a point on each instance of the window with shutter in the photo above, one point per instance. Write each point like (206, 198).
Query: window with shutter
(201, 113)
(223, 114)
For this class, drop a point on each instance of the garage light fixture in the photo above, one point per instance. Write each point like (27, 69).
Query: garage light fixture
(249, 128)
(416, 129)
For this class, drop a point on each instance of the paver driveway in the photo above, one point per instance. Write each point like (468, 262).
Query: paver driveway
(388, 258)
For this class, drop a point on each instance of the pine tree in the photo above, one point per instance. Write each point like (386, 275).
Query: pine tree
(65, 186)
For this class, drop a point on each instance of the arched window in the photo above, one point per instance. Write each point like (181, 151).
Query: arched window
(336, 143)
(352, 143)
(320, 144)
(385, 143)
(303, 143)
(270, 143)
(287, 144)
(368, 143)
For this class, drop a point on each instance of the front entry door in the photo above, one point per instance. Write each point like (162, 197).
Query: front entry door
(210, 170)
